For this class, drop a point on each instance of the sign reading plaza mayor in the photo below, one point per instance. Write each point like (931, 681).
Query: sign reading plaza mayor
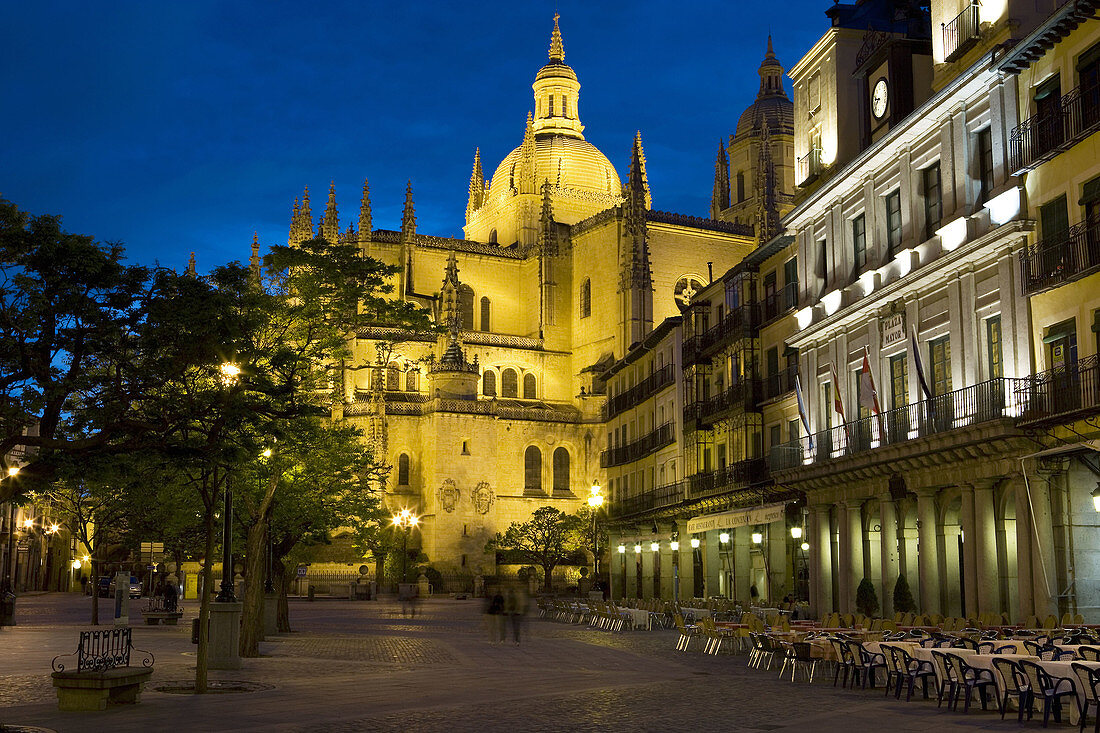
(893, 329)
(740, 518)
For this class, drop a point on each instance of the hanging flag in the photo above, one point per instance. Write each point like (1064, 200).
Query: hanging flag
(838, 404)
(868, 395)
(917, 363)
(802, 410)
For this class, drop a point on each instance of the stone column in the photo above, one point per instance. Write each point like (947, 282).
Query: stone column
(225, 635)
(888, 553)
(741, 564)
(1044, 578)
(777, 544)
(985, 548)
(970, 563)
(712, 564)
(856, 568)
(845, 589)
(818, 603)
(1024, 570)
(928, 551)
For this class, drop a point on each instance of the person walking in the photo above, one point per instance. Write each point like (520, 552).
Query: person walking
(494, 612)
(515, 607)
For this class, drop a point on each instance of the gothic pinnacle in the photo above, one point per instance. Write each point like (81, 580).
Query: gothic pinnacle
(477, 185)
(365, 223)
(557, 49)
(408, 218)
(330, 226)
(254, 261)
(637, 181)
(720, 196)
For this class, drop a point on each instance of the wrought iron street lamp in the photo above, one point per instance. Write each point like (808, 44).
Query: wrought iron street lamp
(230, 372)
(595, 501)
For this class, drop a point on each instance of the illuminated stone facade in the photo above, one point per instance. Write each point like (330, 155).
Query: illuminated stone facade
(563, 268)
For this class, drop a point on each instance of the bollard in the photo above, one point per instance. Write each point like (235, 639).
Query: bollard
(311, 593)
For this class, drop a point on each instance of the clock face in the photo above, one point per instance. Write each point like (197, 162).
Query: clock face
(879, 97)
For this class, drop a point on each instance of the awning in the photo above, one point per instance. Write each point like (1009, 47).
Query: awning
(741, 518)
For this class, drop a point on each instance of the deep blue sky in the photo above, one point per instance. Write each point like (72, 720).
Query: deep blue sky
(179, 127)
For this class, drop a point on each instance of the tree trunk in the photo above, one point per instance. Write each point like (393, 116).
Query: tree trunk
(203, 653)
(95, 575)
(252, 618)
(282, 582)
(548, 578)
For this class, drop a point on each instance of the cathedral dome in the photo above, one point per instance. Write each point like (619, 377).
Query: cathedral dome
(567, 162)
(772, 104)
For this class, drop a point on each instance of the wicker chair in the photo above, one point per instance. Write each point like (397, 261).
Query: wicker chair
(1089, 679)
(969, 678)
(1016, 683)
(1051, 689)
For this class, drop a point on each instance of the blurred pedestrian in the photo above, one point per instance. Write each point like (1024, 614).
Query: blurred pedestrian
(494, 612)
(515, 607)
(84, 584)
(171, 594)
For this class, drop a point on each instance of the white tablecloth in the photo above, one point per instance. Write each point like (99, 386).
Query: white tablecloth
(696, 613)
(638, 618)
(1065, 669)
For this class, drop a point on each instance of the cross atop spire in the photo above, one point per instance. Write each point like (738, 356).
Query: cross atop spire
(557, 49)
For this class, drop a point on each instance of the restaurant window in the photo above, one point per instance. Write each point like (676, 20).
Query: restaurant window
(933, 199)
(893, 223)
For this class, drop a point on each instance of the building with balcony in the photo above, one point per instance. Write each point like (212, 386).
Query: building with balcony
(911, 331)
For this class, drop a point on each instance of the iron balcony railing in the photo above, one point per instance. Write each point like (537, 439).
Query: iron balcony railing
(960, 34)
(779, 383)
(779, 302)
(655, 498)
(1061, 394)
(809, 167)
(990, 400)
(734, 476)
(1051, 132)
(737, 324)
(640, 448)
(739, 396)
(1066, 256)
(640, 392)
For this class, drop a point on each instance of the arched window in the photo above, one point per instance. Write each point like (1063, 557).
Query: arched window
(403, 470)
(532, 470)
(528, 386)
(489, 383)
(561, 472)
(466, 307)
(509, 383)
(486, 307)
(586, 298)
(412, 380)
(493, 237)
(393, 377)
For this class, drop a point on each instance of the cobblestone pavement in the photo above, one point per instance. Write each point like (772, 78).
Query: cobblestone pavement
(364, 666)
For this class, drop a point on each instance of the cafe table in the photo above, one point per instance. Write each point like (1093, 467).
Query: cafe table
(639, 617)
(696, 613)
(1065, 669)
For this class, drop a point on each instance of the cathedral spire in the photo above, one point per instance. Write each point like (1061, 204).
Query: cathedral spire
(477, 186)
(557, 49)
(305, 220)
(720, 195)
(330, 224)
(766, 183)
(637, 183)
(291, 238)
(527, 174)
(191, 266)
(771, 75)
(254, 261)
(547, 242)
(408, 217)
(365, 223)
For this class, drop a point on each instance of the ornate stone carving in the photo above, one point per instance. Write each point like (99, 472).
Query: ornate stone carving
(483, 497)
(448, 495)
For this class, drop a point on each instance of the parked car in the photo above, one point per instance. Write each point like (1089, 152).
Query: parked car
(105, 586)
(135, 587)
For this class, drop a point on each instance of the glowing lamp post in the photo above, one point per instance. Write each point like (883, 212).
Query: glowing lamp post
(230, 372)
(595, 501)
(406, 520)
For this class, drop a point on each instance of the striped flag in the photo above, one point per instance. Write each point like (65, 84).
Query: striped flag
(802, 410)
(868, 395)
(838, 404)
(918, 364)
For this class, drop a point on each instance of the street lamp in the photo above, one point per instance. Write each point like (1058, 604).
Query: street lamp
(595, 501)
(229, 374)
(406, 520)
(796, 533)
(695, 543)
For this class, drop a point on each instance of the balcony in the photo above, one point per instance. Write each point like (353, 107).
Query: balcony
(1043, 136)
(991, 400)
(655, 498)
(640, 392)
(779, 302)
(810, 167)
(1063, 258)
(640, 448)
(735, 476)
(1060, 395)
(737, 324)
(960, 34)
(779, 383)
(741, 396)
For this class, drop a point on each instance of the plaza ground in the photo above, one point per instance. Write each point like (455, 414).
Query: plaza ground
(352, 666)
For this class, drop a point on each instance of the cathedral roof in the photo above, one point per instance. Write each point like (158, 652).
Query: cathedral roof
(567, 162)
(772, 103)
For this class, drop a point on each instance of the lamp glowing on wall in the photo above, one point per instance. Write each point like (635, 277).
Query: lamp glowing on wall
(724, 537)
(757, 538)
(654, 546)
(805, 546)
(695, 543)
(637, 549)
(622, 549)
(674, 545)
(76, 565)
(796, 533)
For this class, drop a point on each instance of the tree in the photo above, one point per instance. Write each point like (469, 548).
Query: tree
(548, 539)
(867, 598)
(903, 597)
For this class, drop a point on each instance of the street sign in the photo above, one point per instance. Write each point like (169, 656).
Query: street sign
(151, 548)
(302, 570)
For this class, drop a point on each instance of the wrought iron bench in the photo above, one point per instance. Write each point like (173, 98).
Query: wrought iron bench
(103, 673)
(157, 610)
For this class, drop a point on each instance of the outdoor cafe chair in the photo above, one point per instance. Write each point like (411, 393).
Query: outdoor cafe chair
(949, 683)
(1089, 653)
(894, 672)
(1050, 688)
(1089, 680)
(1005, 649)
(844, 662)
(985, 647)
(915, 669)
(962, 642)
(686, 632)
(800, 654)
(969, 678)
(1016, 683)
(865, 663)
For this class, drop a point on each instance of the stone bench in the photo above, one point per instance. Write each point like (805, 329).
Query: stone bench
(103, 673)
